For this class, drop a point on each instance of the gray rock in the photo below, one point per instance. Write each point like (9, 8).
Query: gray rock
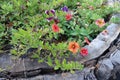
(104, 70)
(115, 57)
(109, 66)
(3, 79)
(112, 2)
(86, 74)
(8, 63)
(101, 43)
(53, 77)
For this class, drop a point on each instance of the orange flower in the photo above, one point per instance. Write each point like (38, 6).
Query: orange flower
(55, 28)
(68, 16)
(100, 22)
(73, 47)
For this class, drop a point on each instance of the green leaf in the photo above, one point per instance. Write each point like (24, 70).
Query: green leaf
(49, 61)
(83, 32)
(74, 33)
(40, 60)
(95, 16)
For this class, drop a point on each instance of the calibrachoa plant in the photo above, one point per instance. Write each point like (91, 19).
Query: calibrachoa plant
(52, 30)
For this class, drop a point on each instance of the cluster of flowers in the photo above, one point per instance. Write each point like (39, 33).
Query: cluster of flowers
(55, 27)
(73, 46)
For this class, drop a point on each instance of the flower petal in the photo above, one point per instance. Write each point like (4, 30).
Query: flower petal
(52, 11)
(56, 20)
(73, 47)
(86, 40)
(68, 17)
(47, 12)
(50, 18)
(100, 22)
(65, 9)
(84, 52)
(55, 27)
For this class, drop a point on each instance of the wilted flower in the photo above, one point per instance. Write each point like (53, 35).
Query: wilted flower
(73, 47)
(84, 52)
(53, 18)
(55, 27)
(91, 7)
(10, 24)
(78, 3)
(104, 32)
(87, 41)
(50, 18)
(68, 17)
(52, 11)
(100, 22)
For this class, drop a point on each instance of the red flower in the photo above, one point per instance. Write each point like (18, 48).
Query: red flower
(84, 52)
(68, 16)
(73, 47)
(100, 22)
(55, 28)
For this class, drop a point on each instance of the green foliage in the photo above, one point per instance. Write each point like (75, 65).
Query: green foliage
(23, 24)
(115, 20)
(26, 39)
(68, 65)
(2, 29)
(1, 69)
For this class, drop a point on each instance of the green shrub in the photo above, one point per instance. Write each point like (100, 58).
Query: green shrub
(33, 24)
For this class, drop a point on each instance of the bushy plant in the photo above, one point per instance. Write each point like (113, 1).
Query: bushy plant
(50, 30)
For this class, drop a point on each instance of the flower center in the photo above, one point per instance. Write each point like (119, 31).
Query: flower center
(73, 46)
(84, 51)
(100, 22)
(55, 27)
